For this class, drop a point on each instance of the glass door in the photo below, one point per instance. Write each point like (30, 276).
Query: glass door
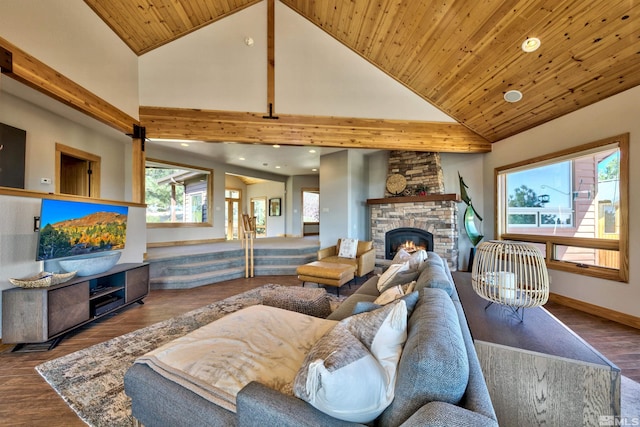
(259, 211)
(232, 213)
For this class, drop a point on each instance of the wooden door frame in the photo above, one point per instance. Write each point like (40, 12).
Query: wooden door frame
(94, 187)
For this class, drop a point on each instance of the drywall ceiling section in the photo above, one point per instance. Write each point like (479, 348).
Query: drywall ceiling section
(212, 68)
(69, 37)
(317, 75)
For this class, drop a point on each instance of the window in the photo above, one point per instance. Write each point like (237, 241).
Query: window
(573, 205)
(177, 195)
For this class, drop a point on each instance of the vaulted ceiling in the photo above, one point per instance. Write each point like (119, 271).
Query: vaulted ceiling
(462, 56)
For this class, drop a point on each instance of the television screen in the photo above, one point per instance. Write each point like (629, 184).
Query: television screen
(69, 228)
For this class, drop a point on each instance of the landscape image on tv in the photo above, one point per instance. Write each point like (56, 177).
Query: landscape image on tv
(69, 228)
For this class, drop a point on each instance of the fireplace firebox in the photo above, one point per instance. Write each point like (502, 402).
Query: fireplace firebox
(407, 238)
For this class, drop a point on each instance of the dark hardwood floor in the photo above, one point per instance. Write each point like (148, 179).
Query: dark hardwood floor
(27, 400)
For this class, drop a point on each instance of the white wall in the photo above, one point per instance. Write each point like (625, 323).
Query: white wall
(45, 129)
(272, 190)
(615, 115)
(470, 167)
(213, 68)
(69, 37)
(343, 196)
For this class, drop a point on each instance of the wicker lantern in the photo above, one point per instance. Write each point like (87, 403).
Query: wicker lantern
(510, 273)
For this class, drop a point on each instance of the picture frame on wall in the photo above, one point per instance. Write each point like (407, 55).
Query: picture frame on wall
(275, 206)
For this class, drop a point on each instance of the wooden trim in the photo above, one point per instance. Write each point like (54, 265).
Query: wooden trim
(416, 199)
(137, 171)
(94, 187)
(17, 192)
(321, 131)
(620, 139)
(583, 242)
(183, 243)
(41, 77)
(605, 313)
(271, 58)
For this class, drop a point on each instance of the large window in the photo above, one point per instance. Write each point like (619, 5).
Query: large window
(573, 205)
(177, 195)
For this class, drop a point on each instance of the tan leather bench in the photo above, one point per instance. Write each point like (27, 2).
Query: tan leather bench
(326, 273)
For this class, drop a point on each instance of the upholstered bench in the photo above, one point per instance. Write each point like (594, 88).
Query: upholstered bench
(326, 273)
(311, 301)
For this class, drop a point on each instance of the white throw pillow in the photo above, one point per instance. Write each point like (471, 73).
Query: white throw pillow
(350, 372)
(417, 259)
(401, 256)
(389, 295)
(348, 248)
(390, 273)
(395, 292)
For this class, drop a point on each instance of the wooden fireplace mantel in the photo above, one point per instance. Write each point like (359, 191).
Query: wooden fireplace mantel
(414, 199)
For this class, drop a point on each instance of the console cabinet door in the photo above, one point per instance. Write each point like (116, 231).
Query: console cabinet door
(137, 283)
(68, 307)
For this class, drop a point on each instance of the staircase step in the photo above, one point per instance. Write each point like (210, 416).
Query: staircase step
(189, 271)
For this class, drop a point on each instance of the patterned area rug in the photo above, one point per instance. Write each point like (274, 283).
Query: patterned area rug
(91, 381)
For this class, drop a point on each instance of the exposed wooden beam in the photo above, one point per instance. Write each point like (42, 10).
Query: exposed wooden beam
(39, 76)
(271, 61)
(220, 126)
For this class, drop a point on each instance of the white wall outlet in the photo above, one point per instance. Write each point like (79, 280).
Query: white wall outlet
(45, 180)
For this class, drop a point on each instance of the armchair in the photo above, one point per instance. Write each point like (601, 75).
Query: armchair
(364, 262)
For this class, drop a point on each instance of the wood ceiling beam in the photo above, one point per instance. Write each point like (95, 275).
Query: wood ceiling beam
(39, 76)
(226, 126)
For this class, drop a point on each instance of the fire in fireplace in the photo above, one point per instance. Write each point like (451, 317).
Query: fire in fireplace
(407, 238)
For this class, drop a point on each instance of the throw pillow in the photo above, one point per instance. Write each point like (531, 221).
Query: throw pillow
(410, 299)
(350, 372)
(395, 292)
(390, 273)
(417, 259)
(389, 295)
(401, 256)
(348, 248)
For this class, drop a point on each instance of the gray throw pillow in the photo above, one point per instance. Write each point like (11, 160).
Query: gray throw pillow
(410, 300)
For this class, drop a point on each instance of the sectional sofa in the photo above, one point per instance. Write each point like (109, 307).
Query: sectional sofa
(438, 381)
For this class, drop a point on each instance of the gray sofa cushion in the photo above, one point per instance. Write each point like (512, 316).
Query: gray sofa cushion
(434, 365)
(435, 276)
(370, 287)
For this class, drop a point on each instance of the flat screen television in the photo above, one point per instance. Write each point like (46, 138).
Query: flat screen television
(72, 228)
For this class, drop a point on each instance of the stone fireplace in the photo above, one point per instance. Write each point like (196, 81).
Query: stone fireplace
(421, 205)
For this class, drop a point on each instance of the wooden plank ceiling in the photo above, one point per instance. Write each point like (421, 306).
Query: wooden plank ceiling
(461, 56)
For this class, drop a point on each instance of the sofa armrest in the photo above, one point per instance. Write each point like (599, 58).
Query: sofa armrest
(445, 414)
(327, 252)
(257, 404)
(366, 262)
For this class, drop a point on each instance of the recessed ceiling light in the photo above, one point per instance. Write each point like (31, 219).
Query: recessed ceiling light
(277, 167)
(513, 96)
(241, 158)
(312, 151)
(314, 170)
(276, 146)
(184, 144)
(530, 44)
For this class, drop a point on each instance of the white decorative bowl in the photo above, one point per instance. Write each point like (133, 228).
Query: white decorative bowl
(88, 265)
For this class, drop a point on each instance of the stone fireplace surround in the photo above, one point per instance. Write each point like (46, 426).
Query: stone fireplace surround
(434, 212)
